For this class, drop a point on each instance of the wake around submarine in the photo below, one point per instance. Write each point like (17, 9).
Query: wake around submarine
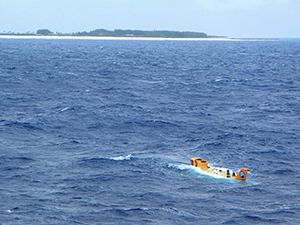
(228, 174)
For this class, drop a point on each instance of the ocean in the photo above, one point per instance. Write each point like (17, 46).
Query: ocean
(102, 131)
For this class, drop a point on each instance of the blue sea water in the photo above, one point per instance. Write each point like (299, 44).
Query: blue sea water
(102, 131)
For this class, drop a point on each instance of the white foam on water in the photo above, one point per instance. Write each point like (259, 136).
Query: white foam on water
(119, 158)
(64, 109)
(195, 170)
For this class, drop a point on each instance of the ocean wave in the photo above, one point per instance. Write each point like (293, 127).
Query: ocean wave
(120, 158)
(268, 151)
(252, 219)
(284, 172)
(101, 162)
(65, 109)
(25, 125)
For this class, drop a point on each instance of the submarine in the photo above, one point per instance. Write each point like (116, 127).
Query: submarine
(223, 172)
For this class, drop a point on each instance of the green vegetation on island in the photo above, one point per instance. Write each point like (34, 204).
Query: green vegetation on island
(120, 33)
(142, 33)
(44, 32)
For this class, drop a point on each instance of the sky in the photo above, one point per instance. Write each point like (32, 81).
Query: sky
(231, 18)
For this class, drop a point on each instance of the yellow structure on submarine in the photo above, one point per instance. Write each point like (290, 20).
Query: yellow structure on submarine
(203, 164)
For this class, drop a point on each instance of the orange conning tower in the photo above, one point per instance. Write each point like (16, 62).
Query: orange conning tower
(198, 162)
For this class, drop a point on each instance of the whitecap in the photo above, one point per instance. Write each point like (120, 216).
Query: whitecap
(64, 109)
(119, 158)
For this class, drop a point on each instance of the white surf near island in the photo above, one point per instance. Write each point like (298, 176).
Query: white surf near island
(114, 38)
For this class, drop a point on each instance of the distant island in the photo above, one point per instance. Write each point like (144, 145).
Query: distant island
(142, 33)
(128, 34)
(119, 33)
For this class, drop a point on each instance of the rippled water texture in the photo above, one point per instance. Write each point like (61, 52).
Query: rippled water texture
(102, 131)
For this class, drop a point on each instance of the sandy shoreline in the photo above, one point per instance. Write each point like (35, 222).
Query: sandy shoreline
(113, 38)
